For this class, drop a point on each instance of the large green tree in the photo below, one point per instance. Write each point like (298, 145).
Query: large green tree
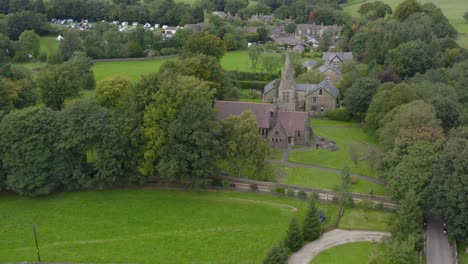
(27, 45)
(408, 220)
(110, 91)
(204, 43)
(243, 147)
(407, 8)
(294, 239)
(409, 58)
(311, 229)
(359, 96)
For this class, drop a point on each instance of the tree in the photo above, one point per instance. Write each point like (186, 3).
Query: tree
(312, 76)
(450, 185)
(28, 151)
(204, 43)
(374, 10)
(290, 28)
(110, 91)
(447, 111)
(71, 42)
(354, 153)
(9, 94)
(326, 40)
(277, 255)
(255, 53)
(408, 221)
(401, 252)
(27, 45)
(270, 62)
(244, 148)
(25, 20)
(39, 7)
(358, 97)
(407, 8)
(409, 58)
(311, 228)
(415, 114)
(164, 110)
(345, 197)
(192, 143)
(233, 6)
(294, 239)
(366, 206)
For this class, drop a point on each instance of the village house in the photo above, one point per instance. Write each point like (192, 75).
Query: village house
(281, 128)
(265, 19)
(336, 59)
(315, 99)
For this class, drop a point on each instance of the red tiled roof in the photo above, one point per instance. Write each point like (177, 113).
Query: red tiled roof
(292, 121)
(261, 111)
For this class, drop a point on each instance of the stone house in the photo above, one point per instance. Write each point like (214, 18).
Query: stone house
(334, 74)
(280, 128)
(336, 59)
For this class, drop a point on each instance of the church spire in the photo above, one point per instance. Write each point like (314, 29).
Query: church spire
(287, 97)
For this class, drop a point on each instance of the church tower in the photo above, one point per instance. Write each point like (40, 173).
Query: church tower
(287, 97)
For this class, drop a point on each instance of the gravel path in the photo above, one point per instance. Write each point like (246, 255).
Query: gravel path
(334, 238)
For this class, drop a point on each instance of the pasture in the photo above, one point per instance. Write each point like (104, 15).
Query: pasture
(453, 10)
(345, 134)
(324, 180)
(355, 253)
(48, 44)
(146, 226)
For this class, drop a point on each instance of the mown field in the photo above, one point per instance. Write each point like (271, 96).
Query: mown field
(453, 10)
(344, 134)
(146, 226)
(358, 219)
(324, 180)
(354, 253)
(48, 44)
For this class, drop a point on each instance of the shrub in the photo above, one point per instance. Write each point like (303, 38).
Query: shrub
(277, 255)
(302, 195)
(280, 190)
(43, 57)
(338, 114)
(291, 193)
(311, 227)
(294, 239)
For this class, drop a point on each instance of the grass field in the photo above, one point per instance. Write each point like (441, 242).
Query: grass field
(48, 44)
(343, 136)
(462, 255)
(355, 253)
(327, 122)
(131, 69)
(325, 180)
(453, 10)
(355, 219)
(146, 226)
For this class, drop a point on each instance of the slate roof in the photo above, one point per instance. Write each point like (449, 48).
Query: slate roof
(344, 56)
(326, 67)
(303, 87)
(327, 86)
(309, 63)
(291, 121)
(270, 86)
(230, 108)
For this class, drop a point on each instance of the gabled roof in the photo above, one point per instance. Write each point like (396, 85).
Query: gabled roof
(327, 67)
(270, 86)
(309, 63)
(304, 87)
(232, 108)
(281, 128)
(344, 56)
(292, 121)
(327, 86)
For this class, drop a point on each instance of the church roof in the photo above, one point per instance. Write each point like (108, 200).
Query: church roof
(344, 56)
(270, 86)
(327, 67)
(304, 87)
(230, 108)
(293, 121)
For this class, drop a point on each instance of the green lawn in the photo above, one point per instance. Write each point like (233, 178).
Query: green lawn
(355, 253)
(453, 10)
(314, 122)
(325, 180)
(462, 255)
(146, 226)
(343, 136)
(48, 44)
(355, 219)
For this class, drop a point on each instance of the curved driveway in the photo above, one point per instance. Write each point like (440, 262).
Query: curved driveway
(334, 238)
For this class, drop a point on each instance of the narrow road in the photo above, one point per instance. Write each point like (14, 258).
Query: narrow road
(334, 238)
(438, 246)
(291, 164)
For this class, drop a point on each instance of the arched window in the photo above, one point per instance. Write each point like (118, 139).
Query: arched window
(320, 92)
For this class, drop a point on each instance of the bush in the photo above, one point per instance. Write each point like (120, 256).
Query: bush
(257, 85)
(294, 239)
(217, 182)
(280, 190)
(338, 114)
(277, 255)
(291, 193)
(302, 195)
(311, 228)
(43, 57)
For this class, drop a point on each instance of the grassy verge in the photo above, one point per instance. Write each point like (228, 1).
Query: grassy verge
(355, 253)
(344, 137)
(146, 226)
(315, 122)
(324, 180)
(462, 254)
(358, 219)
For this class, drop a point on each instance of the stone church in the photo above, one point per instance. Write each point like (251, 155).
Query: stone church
(315, 99)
